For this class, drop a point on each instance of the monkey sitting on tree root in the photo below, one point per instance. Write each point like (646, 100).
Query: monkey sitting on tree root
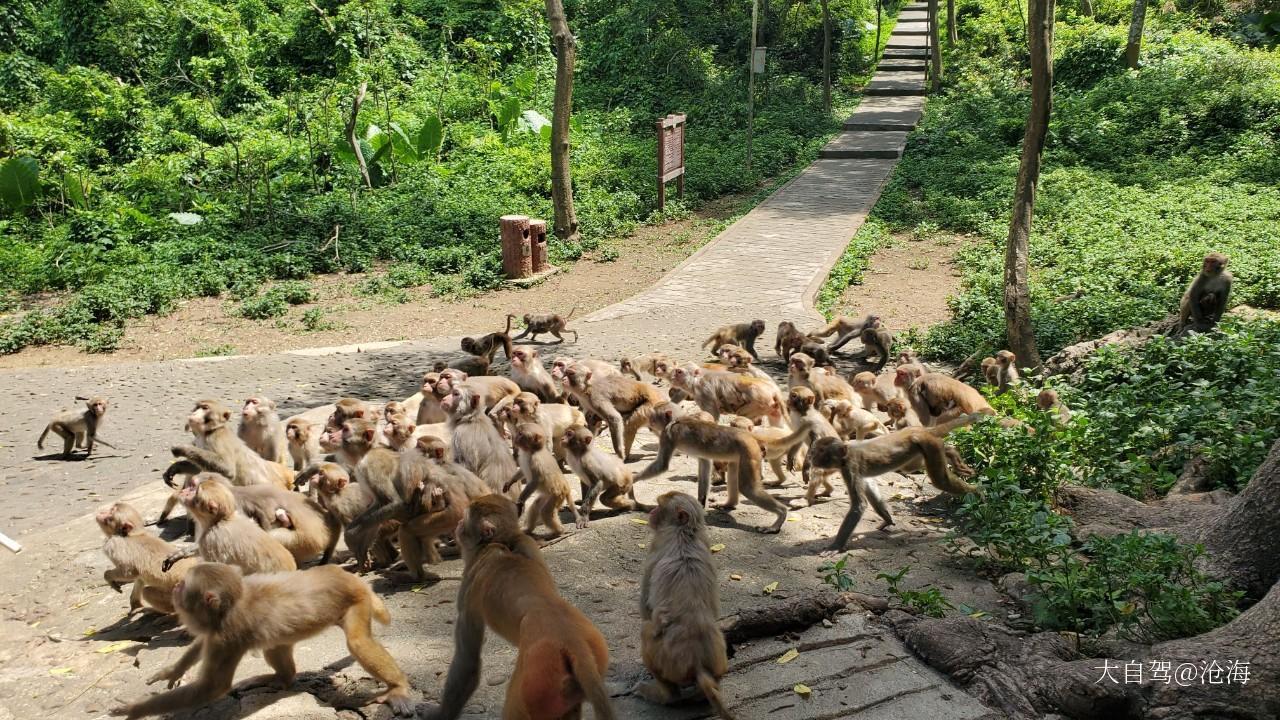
(230, 615)
(560, 656)
(78, 428)
(1206, 298)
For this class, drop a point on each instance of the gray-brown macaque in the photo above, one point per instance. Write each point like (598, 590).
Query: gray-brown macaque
(741, 362)
(875, 390)
(790, 339)
(490, 389)
(680, 639)
(542, 475)
(1207, 298)
(218, 450)
(805, 417)
(77, 428)
(803, 372)
(655, 364)
(877, 341)
(137, 557)
(845, 329)
(536, 324)
(343, 501)
(555, 418)
(473, 365)
(438, 493)
(602, 475)
(477, 445)
(1048, 401)
(527, 372)
(742, 334)
(261, 429)
(708, 442)
(623, 403)
(303, 440)
(1006, 371)
(818, 351)
(487, 345)
(937, 398)
(224, 534)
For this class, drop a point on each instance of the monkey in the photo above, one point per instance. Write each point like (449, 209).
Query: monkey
(859, 461)
(707, 442)
(680, 638)
(720, 392)
(1206, 298)
(398, 432)
(541, 474)
(555, 418)
(342, 502)
(476, 443)
(303, 440)
(624, 404)
(528, 373)
(393, 409)
(789, 340)
(294, 520)
(845, 329)
(818, 351)
(220, 451)
(598, 367)
(742, 334)
(136, 557)
(851, 421)
(490, 389)
(602, 475)
(805, 418)
(1006, 371)
(437, 493)
(349, 408)
(774, 444)
(878, 341)
(261, 429)
(560, 656)
(937, 398)
(225, 535)
(990, 372)
(537, 324)
(875, 390)
(907, 356)
(472, 365)
(229, 615)
(1048, 401)
(486, 346)
(740, 361)
(77, 428)
(901, 415)
(802, 373)
(655, 364)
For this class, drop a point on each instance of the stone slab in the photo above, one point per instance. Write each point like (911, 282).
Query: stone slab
(882, 113)
(898, 82)
(858, 144)
(904, 40)
(897, 53)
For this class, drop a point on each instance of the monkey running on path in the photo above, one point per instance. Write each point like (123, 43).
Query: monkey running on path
(78, 428)
(536, 324)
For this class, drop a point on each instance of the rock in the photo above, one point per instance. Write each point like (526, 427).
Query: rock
(285, 706)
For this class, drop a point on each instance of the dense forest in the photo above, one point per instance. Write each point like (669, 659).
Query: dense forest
(162, 150)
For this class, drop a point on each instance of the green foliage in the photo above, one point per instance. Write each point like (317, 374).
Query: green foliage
(217, 351)
(836, 573)
(929, 601)
(314, 320)
(19, 182)
(262, 307)
(852, 263)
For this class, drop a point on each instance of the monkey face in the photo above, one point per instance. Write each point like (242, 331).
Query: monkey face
(897, 409)
(207, 416)
(332, 479)
(97, 406)
(661, 368)
(460, 401)
(1046, 399)
(429, 381)
(358, 434)
(800, 399)
(557, 368)
(431, 446)
(662, 416)
(757, 327)
(864, 381)
(576, 377)
(530, 437)
(255, 406)
(801, 363)
(1005, 358)
(1214, 263)
(904, 376)
(118, 519)
(297, 432)
(520, 359)
(578, 439)
(526, 405)
(398, 429)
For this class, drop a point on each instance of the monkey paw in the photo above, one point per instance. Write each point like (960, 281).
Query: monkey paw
(725, 506)
(168, 674)
(580, 523)
(119, 711)
(398, 700)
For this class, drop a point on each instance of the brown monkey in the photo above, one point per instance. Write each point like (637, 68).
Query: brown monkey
(601, 475)
(938, 398)
(990, 372)
(437, 493)
(818, 351)
(1048, 401)
(907, 356)
(560, 656)
(537, 323)
(875, 390)
(789, 339)
(223, 534)
(742, 334)
(342, 502)
(477, 444)
(1206, 299)
(472, 365)
(707, 442)
(486, 346)
(852, 422)
(542, 474)
(680, 639)
(77, 428)
(774, 444)
(877, 341)
(555, 418)
(294, 520)
(490, 389)
(218, 450)
(1006, 371)
(655, 364)
(719, 392)
(348, 409)
(859, 461)
(845, 329)
(303, 440)
(137, 557)
(801, 372)
(624, 404)
(806, 419)
(598, 367)
(261, 429)
(527, 372)
(900, 414)
(398, 432)
(230, 615)
(740, 361)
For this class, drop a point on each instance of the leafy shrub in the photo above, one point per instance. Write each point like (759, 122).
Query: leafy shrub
(264, 306)
(929, 601)
(314, 320)
(294, 292)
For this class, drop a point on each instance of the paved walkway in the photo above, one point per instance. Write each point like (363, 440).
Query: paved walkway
(769, 264)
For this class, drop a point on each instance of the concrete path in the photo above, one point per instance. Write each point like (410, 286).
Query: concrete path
(67, 650)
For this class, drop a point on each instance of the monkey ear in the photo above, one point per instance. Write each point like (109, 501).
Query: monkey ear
(586, 376)
(487, 530)
(226, 414)
(211, 600)
(682, 517)
(368, 434)
(126, 528)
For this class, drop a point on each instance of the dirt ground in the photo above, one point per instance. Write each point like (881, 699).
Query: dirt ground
(908, 282)
(203, 327)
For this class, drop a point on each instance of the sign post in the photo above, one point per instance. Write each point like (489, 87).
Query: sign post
(670, 156)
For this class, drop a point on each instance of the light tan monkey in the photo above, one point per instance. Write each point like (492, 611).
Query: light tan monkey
(292, 519)
(901, 415)
(342, 502)
(789, 340)
(536, 324)
(438, 492)
(740, 361)
(875, 390)
(707, 442)
(852, 422)
(229, 615)
(136, 556)
(303, 440)
(990, 372)
(472, 365)
(937, 398)
(742, 334)
(399, 432)
(599, 368)
(774, 445)
(350, 409)
(225, 535)
(77, 428)
(542, 475)
(719, 392)
(680, 639)
(555, 418)
(487, 345)
(624, 404)
(477, 444)
(907, 356)
(1006, 371)
(655, 364)
(877, 341)
(220, 451)
(1048, 401)
(527, 372)
(801, 372)
(261, 429)
(491, 390)
(845, 329)
(1207, 297)
(601, 475)
(429, 410)
(806, 418)
(560, 656)
(860, 461)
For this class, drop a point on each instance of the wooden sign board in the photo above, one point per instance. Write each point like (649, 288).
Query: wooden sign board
(670, 156)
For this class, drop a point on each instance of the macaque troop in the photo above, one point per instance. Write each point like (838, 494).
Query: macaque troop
(489, 467)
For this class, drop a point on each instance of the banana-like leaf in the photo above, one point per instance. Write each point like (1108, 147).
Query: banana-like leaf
(19, 182)
(430, 137)
(508, 114)
(404, 147)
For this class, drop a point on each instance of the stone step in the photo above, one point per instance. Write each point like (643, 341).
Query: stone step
(886, 113)
(911, 66)
(907, 53)
(907, 41)
(907, 82)
(899, 31)
(859, 144)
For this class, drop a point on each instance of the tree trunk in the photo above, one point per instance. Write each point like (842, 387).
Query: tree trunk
(566, 219)
(1086, 8)
(826, 56)
(952, 35)
(875, 54)
(356, 102)
(1242, 544)
(1134, 47)
(1017, 298)
(935, 48)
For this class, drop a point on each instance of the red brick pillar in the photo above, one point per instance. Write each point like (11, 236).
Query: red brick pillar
(517, 253)
(538, 241)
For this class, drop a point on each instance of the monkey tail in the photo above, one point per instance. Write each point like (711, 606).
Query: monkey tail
(583, 668)
(571, 312)
(710, 687)
(510, 317)
(945, 428)
(379, 609)
(40, 441)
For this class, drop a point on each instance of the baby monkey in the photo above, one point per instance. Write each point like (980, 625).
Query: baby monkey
(78, 428)
(536, 324)
(542, 473)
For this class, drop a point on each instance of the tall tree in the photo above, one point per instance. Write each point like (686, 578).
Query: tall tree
(566, 219)
(1134, 46)
(1086, 8)
(826, 55)
(952, 36)
(875, 55)
(935, 48)
(1017, 299)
